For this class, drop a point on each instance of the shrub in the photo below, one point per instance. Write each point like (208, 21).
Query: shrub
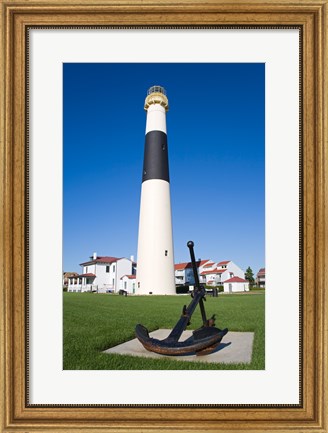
(182, 289)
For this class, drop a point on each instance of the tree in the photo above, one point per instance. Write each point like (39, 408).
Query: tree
(249, 275)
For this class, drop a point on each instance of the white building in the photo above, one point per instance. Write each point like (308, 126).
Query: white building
(235, 284)
(215, 274)
(206, 271)
(184, 274)
(66, 276)
(260, 278)
(101, 274)
(128, 283)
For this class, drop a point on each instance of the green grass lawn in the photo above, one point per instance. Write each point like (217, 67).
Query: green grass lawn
(95, 322)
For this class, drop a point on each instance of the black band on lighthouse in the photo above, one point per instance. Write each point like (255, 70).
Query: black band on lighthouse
(156, 164)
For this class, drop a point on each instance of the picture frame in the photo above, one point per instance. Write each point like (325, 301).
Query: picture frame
(16, 414)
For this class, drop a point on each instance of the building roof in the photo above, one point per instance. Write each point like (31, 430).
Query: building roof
(84, 275)
(261, 271)
(131, 277)
(181, 266)
(209, 265)
(70, 274)
(235, 280)
(214, 271)
(201, 262)
(101, 259)
(225, 262)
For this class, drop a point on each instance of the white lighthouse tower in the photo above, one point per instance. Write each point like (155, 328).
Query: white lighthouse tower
(155, 269)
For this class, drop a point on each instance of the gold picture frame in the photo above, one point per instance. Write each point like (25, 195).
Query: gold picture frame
(311, 414)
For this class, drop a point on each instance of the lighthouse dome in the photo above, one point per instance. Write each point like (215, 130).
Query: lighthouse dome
(156, 89)
(156, 95)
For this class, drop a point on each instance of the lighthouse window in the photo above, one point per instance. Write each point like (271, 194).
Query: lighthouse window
(165, 252)
(163, 146)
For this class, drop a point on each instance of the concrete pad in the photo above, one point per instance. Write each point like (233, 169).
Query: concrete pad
(235, 347)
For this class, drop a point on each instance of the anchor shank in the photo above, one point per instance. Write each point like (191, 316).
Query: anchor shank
(185, 318)
(193, 262)
(202, 310)
(190, 245)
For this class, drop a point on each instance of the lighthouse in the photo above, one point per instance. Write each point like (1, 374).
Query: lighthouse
(155, 270)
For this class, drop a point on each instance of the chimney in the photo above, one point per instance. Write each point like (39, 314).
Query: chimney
(94, 256)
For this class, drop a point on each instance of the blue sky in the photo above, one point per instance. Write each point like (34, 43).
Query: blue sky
(216, 146)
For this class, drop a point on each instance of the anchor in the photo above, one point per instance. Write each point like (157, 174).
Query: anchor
(203, 341)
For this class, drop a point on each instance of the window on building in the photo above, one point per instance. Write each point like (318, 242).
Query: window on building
(138, 285)
(107, 269)
(165, 252)
(113, 281)
(113, 268)
(86, 269)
